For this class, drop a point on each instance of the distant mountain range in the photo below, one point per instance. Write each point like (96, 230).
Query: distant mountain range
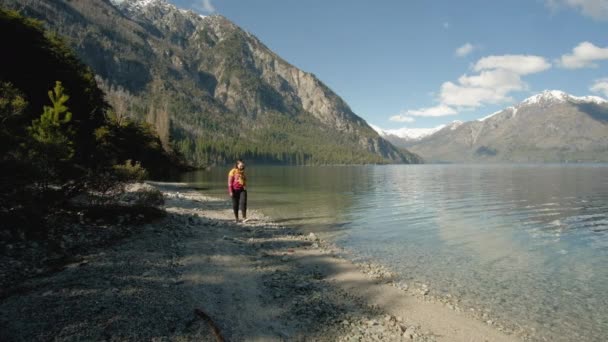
(213, 91)
(408, 136)
(552, 126)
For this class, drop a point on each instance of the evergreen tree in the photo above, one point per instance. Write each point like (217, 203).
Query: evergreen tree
(50, 130)
(50, 147)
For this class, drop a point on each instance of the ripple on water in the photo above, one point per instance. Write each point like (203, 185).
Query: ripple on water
(527, 242)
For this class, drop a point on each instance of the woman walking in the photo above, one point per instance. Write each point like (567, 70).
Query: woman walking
(237, 182)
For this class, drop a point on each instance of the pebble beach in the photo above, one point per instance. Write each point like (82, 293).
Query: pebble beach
(196, 275)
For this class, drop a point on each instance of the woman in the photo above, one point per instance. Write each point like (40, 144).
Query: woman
(237, 182)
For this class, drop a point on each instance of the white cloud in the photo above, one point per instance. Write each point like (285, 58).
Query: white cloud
(208, 6)
(519, 64)
(402, 118)
(464, 50)
(597, 9)
(204, 6)
(440, 110)
(600, 86)
(495, 79)
(463, 96)
(499, 79)
(446, 25)
(583, 56)
(498, 76)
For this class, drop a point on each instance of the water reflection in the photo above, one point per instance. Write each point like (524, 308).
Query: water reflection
(530, 241)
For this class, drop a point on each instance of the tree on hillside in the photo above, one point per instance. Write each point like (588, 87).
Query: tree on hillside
(51, 148)
(35, 61)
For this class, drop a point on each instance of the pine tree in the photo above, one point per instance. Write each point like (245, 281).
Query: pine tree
(49, 131)
(50, 148)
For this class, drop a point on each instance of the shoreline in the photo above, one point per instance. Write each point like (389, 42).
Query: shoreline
(197, 273)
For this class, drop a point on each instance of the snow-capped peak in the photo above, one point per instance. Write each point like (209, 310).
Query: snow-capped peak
(141, 4)
(547, 96)
(558, 96)
(593, 99)
(454, 124)
(414, 133)
(512, 109)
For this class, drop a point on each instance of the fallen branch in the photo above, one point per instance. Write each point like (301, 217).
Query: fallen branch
(212, 325)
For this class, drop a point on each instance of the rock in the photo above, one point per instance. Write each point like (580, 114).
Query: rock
(285, 258)
(315, 245)
(424, 290)
(409, 333)
(312, 237)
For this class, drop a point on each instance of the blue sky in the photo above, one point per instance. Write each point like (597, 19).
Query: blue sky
(422, 63)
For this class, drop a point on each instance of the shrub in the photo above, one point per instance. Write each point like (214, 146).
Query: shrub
(130, 172)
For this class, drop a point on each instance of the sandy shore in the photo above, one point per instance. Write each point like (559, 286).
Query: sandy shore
(195, 275)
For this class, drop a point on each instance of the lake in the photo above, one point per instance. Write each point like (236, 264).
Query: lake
(529, 243)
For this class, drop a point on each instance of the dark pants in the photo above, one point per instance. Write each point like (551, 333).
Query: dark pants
(239, 197)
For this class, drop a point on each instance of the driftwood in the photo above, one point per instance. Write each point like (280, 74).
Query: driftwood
(214, 328)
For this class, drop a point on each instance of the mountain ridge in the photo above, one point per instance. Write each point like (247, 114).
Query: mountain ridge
(551, 126)
(212, 90)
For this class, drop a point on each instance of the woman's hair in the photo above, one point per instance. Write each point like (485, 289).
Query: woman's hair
(236, 163)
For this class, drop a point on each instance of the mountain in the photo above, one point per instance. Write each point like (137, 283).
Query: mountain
(552, 126)
(405, 137)
(213, 91)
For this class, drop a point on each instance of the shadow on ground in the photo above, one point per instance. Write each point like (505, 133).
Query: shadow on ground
(251, 280)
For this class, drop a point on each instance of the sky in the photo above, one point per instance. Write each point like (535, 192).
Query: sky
(423, 63)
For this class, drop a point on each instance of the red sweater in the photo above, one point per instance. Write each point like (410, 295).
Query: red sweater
(236, 180)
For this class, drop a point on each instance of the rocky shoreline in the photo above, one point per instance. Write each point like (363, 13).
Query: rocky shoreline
(194, 274)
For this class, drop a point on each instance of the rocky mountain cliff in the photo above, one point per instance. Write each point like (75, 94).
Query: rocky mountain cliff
(552, 126)
(212, 90)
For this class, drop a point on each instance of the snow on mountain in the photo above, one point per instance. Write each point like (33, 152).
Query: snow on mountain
(414, 134)
(138, 5)
(512, 109)
(558, 96)
(548, 97)
(455, 124)
(544, 98)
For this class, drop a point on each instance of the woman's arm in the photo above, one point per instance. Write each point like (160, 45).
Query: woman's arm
(230, 180)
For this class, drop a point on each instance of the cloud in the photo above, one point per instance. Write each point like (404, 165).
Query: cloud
(596, 9)
(446, 25)
(495, 78)
(600, 86)
(204, 6)
(464, 50)
(208, 6)
(402, 118)
(463, 96)
(440, 110)
(519, 64)
(583, 56)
